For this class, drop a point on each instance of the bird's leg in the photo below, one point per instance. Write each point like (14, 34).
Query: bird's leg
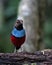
(16, 49)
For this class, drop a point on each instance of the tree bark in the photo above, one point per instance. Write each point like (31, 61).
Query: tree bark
(22, 58)
(33, 13)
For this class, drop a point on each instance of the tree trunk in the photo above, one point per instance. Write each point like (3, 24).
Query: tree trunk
(33, 16)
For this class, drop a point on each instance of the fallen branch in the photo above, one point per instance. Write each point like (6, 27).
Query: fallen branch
(24, 57)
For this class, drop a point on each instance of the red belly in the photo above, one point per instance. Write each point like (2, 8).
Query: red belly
(17, 41)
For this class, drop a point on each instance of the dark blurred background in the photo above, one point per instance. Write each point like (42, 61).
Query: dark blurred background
(8, 10)
(8, 14)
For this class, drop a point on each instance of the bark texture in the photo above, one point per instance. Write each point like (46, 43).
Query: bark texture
(33, 14)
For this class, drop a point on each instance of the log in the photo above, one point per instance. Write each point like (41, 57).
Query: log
(21, 58)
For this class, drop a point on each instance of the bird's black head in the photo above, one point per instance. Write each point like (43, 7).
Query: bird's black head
(19, 25)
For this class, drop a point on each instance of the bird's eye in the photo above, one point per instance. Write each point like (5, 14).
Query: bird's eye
(17, 21)
(21, 21)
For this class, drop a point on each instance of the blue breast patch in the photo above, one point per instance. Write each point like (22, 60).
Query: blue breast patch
(18, 33)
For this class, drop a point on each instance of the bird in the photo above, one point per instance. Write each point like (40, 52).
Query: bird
(18, 34)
